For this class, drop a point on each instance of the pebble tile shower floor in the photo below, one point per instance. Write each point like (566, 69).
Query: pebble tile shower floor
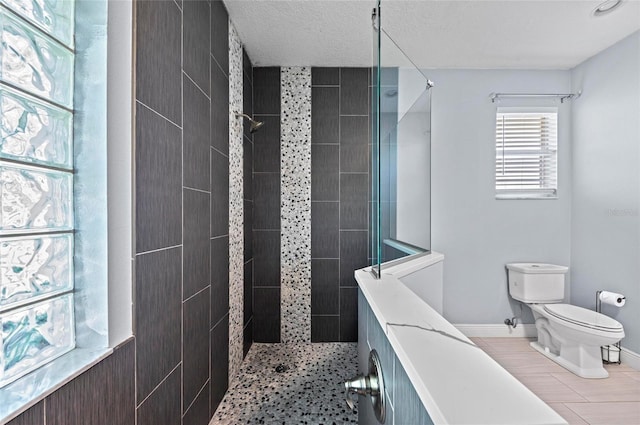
(310, 391)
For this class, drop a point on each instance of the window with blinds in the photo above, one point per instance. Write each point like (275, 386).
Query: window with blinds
(36, 185)
(526, 153)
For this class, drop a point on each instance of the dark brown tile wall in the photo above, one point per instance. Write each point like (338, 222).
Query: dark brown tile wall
(340, 163)
(339, 198)
(249, 198)
(266, 206)
(179, 354)
(103, 395)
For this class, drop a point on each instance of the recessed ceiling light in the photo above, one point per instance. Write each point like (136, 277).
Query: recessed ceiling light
(606, 7)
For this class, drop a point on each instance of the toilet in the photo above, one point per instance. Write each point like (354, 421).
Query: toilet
(569, 335)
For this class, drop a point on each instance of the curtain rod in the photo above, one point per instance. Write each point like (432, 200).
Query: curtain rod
(562, 96)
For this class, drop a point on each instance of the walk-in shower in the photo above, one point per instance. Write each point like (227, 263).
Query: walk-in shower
(400, 222)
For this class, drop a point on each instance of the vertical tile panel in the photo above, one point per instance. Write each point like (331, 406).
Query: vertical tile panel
(349, 314)
(325, 172)
(158, 53)
(267, 145)
(158, 182)
(220, 35)
(196, 257)
(267, 201)
(195, 137)
(266, 258)
(325, 76)
(354, 91)
(219, 362)
(195, 350)
(247, 168)
(219, 194)
(248, 292)
(325, 229)
(219, 108)
(219, 278)
(198, 413)
(80, 401)
(325, 328)
(295, 192)
(163, 405)
(353, 255)
(266, 314)
(236, 205)
(325, 286)
(196, 34)
(158, 317)
(325, 105)
(266, 91)
(248, 230)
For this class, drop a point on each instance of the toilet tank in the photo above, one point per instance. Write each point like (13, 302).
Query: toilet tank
(536, 283)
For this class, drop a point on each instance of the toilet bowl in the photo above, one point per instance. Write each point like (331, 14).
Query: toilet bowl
(569, 335)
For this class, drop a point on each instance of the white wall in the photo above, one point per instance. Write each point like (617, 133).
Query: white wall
(605, 236)
(477, 233)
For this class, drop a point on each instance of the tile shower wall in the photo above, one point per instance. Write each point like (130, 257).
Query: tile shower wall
(182, 312)
(339, 195)
(266, 212)
(339, 203)
(247, 175)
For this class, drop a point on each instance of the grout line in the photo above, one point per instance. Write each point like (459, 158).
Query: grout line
(219, 151)
(158, 386)
(197, 395)
(196, 190)
(158, 113)
(197, 293)
(151, 251)
(197, 86)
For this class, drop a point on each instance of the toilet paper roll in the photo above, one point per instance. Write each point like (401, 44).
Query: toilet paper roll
(612, 298)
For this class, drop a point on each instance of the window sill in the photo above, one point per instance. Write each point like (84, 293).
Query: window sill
(524, 196)
(20, 395)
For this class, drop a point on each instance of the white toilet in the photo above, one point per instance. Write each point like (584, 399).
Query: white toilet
(569, 335)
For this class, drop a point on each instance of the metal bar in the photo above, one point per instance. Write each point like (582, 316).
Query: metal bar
(562, 96)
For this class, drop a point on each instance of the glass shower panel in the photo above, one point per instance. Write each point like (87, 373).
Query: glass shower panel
(401, 153)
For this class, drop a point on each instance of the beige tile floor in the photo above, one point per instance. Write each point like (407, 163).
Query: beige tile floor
(611, 401)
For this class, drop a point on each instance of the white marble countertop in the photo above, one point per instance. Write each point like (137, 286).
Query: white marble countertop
(457, 382)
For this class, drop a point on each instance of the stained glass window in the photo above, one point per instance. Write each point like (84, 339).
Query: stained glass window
(36, 184)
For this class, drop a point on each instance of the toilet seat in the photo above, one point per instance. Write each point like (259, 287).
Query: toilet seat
(583, 317)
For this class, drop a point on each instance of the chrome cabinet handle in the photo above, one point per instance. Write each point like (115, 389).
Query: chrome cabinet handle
(371, 385)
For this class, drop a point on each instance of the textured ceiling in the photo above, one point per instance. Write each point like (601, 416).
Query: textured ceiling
(525, 34)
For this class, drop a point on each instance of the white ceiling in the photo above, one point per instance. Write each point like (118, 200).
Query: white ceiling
(518, 34)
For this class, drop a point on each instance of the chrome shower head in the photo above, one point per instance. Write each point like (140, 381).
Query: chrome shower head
(255, 125)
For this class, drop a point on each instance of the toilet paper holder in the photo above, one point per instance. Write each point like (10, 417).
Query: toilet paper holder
(610, 353)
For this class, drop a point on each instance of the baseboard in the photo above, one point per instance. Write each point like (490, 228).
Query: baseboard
(498, 330)
(630, 358)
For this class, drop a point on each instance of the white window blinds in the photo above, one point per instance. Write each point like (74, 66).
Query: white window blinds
(526, 153)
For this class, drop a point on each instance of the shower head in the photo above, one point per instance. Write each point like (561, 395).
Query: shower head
(255, 125)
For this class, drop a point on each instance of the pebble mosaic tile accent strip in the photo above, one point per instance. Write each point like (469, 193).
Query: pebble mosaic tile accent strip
(310, 391)
(295, 204)
(236, 206)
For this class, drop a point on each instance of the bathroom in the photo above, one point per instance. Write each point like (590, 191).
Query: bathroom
(172, 310)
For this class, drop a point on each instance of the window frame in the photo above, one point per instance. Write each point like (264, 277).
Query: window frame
(104, 310)
(551, 154)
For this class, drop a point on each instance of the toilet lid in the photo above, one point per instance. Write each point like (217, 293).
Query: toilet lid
(582, 316)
